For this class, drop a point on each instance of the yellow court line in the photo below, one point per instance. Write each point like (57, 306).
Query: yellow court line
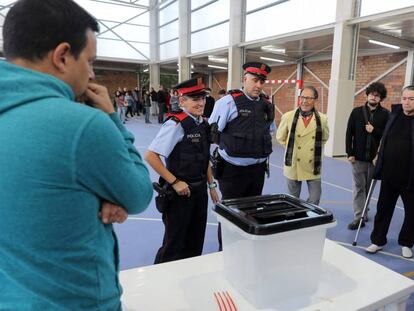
(409, 274)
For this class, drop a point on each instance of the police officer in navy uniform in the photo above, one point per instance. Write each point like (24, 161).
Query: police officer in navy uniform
(184, 142)
(241, 122)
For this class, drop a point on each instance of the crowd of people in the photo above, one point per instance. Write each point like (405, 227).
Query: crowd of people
(156, 103)
(70, 169)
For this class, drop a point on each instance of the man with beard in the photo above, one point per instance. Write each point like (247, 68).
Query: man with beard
(365, 127)
(395, 169)
(303, 132)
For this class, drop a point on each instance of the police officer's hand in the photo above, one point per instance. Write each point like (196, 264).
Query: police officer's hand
(182, 188)
(369, 128)
(99, 97)
(351, 160)
(214, 196)
(111, 213)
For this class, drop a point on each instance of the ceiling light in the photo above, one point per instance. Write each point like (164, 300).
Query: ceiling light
(273, 49)
(384, 44)
(273, 59)
(218, 67)
(218, 59)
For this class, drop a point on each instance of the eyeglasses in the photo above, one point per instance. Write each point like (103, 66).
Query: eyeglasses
(408, 98)
(307, 98)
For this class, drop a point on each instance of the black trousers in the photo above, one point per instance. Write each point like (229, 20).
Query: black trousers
(240, 182)
(185, 226)
(389, 193)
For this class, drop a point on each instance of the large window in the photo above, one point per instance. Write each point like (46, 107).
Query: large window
(211, 38)
(214, 13)
(168, 30)
(124, 27)
(289, 16)
(369, 7)
(209, 25)
(168, 12)
(255, 4)
(169, 50)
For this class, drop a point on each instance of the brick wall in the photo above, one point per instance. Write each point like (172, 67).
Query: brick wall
(368, 69)
(112, 79)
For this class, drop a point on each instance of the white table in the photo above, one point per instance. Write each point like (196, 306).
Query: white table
(348, 282)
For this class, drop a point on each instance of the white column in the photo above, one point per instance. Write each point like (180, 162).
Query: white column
(210, 80)
(342, 83)
(154, 70)
(154, 67)
(299, 76)
(409, 70)
(184, 33)
(235, 53)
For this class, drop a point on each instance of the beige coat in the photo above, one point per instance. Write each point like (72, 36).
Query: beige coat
(303, 150)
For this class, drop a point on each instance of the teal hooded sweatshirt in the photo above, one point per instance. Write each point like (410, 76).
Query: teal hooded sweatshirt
(58, 160)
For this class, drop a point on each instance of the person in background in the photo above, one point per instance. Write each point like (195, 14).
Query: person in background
(154, 102)
(58, 247)
(363, 134)
(184, 142)
(129, 104)
(240, 124)
(162, 103)
(208, 108)
(395, 169)
(147, 106)
(303, 132)
(137, 107)
(119, 99)
(174, 101)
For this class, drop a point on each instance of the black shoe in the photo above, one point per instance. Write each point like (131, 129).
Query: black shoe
(354, 225)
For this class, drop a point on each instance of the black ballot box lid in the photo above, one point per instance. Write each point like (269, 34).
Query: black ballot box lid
(269, 214)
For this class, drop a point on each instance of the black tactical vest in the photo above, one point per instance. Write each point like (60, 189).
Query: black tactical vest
(189, 159)
(247, 136)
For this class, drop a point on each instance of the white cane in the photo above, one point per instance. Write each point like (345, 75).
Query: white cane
(371, 189)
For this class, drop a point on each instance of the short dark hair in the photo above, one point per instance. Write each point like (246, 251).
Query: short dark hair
(313, 89)
(222, 91)
(408, 87)
(377, 87)
(33, 28)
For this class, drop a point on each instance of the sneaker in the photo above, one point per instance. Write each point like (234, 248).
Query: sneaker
(354, 225)
(406, 252)
(373, 248)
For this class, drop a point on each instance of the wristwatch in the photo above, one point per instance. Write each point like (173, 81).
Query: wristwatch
(212, 185)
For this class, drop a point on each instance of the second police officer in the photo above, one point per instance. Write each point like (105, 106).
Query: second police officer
(184, 142)
(240, 124)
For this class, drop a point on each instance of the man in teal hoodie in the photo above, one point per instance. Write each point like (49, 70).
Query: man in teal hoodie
(66, 169)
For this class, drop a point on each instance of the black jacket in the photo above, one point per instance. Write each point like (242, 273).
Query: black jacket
(395, 111)
(248, 136)
(359, 143)
(189, 159)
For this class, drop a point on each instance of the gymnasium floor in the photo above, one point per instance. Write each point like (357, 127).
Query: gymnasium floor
(141, 235)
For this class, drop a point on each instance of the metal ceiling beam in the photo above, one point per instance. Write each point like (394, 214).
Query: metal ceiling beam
(291, 36)
(389, 16)
(127, 43)
(123, 3)
(369, 34)
(123, 22)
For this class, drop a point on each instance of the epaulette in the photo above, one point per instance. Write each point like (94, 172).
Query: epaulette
(235, 93)
(177, 117)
